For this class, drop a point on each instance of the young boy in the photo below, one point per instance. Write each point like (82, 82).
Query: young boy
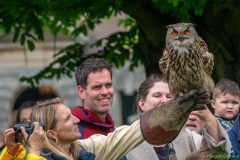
(225, 102)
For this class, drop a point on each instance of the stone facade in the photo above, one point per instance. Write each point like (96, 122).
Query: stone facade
(16, 61)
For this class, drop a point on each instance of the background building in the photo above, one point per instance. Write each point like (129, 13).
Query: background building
(17, 61)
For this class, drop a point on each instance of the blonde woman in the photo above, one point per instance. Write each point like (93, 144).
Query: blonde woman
(62, 134)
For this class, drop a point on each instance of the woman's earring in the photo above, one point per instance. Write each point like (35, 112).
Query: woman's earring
(56, 141)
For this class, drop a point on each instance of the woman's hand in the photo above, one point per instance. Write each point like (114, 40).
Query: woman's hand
(35, 140)
(12, 146)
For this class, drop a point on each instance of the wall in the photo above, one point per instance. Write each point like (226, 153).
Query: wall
(17, 61)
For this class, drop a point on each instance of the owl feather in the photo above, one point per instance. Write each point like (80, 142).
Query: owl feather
(186, 62)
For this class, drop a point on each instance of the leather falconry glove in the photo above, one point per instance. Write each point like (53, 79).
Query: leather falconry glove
(160, 125)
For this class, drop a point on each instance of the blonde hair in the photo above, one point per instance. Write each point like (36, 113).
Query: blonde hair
(45, 112)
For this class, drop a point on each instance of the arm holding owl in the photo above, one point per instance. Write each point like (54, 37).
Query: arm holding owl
(169, 117)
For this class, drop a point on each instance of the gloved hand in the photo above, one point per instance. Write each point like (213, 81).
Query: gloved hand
(161, 124)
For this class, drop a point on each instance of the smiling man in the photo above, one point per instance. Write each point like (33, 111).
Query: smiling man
(95, 88)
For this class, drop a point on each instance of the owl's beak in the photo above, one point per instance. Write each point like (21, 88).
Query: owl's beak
(181, 38)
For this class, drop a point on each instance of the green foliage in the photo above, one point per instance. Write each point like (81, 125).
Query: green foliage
(119, 48)
(28, 19)
(64, 64)
(31, 45)
(181, 9)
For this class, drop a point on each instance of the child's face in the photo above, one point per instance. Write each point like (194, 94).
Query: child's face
(226, 106)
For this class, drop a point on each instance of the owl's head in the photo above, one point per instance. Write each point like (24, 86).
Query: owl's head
(181, 34)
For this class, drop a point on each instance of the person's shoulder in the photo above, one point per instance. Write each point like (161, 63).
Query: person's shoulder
(77, 107)
(76, 110)
(236, 126)
(237, 117)
(86, 155)
(50, 155)
(225, 123)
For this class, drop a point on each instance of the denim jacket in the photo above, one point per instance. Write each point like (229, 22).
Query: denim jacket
(49, 155)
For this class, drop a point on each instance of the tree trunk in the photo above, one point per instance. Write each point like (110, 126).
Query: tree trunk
(221, 33)
(152, 32)
(218, 27)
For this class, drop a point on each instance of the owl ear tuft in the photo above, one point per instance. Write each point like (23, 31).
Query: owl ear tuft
(169, 26)
(193, 25)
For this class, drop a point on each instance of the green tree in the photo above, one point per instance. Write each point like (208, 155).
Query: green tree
(217, 23)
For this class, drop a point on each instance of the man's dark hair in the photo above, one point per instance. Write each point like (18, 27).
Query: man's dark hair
(90, 66)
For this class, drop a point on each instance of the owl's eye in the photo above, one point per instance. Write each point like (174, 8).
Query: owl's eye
(186, 32)
(174, 33)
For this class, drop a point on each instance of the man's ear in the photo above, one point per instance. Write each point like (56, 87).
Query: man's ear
(212, 102)
(141, 105)
(51, 134)
(81, 92)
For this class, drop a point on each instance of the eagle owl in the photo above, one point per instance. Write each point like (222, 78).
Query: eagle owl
(186, 62)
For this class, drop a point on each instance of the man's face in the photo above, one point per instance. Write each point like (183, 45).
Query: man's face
(98, 95)
(194, 124)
